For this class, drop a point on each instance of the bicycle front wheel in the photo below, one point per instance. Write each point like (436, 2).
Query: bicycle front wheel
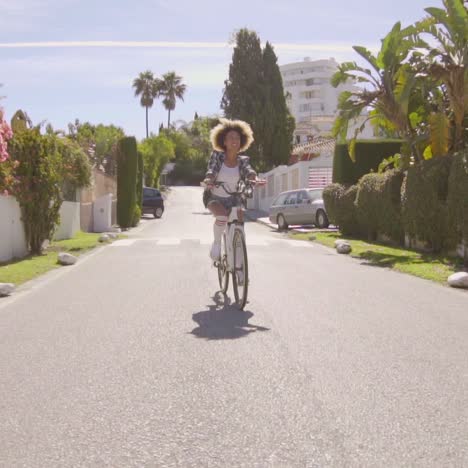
(240, 275)
(223, 273)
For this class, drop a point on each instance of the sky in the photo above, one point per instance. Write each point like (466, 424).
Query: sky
(67, 59)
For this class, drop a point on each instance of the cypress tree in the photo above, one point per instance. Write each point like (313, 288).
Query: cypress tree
(127, 164)
(278, 124)
(139, 185)
(243, 95)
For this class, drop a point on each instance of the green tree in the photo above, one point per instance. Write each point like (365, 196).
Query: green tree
(37, 184)
(192, 148)
(278, 124)
(20, 121)
(75, 167)
(390, 81)
(147, 87)
(127, 181)
(446, 61)
(170, 90)
(181, 142)
(157, 151)
(243, 92)
(99, 142)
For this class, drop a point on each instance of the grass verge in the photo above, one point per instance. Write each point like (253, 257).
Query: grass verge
(21, 270)
(428, 266)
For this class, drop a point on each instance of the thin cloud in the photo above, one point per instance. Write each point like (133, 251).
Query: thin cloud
(317, 47)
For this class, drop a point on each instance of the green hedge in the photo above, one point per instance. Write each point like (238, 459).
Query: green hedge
(368, 203)
(139, 186)
(127, 165)
(424, 202)
(378, 205)
(391, 223)
(369, 154)
(458, 201)
(341, 209)
(429, 204)
(331, 194)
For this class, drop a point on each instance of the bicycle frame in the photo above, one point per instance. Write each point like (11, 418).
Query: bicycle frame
(232, 224)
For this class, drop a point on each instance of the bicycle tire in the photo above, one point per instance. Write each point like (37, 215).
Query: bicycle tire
(240, 290)
(223, 273)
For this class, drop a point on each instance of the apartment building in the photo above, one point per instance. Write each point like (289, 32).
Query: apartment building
(311, 99)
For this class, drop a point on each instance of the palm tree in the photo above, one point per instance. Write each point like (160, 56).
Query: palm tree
(146, 86)
(171, 89)
(447, 60)
(389, 82)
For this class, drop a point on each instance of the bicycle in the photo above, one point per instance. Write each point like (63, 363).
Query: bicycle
(233, 258)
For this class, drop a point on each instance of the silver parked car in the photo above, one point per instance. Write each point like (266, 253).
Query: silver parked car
(303, 206)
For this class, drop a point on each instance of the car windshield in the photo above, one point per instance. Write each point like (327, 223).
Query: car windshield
(280, 199)
(315, 194)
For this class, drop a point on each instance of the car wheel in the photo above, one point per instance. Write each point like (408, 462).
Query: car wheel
(321, 219)
(158, 212)
(282, 224)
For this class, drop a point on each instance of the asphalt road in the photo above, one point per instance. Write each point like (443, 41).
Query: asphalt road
(131, 358)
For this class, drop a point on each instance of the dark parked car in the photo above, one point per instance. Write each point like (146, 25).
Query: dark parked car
(153, 202)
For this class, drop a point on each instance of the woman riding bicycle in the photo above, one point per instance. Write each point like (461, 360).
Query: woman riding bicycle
(226, 164)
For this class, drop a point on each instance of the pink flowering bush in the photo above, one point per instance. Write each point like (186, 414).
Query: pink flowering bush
(5, 135)
(5, 165)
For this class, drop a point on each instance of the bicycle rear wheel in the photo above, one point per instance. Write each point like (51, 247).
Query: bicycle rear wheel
(240, 275)
(223, 273)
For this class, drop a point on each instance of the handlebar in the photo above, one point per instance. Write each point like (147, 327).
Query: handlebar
(243, 185)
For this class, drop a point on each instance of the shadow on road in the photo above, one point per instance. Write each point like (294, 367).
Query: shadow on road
(223, 321)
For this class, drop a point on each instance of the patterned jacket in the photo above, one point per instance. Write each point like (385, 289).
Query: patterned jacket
(217, 159)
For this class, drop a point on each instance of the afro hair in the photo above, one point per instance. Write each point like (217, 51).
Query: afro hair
(219, 132)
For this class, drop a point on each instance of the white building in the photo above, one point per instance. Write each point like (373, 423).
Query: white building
(315, 171)
(312, 100)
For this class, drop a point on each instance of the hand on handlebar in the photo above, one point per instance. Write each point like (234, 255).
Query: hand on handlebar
(208, 183)
(257, 181)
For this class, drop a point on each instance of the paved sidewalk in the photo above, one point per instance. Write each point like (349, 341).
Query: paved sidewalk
(260, 217)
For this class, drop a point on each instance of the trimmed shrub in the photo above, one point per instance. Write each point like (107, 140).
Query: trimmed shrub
(127, 162)
(458, 202)
(424, 202)
(348, 218)
(369, 154)
(341, 210)
(331, 194)
(136, 215)
(139, 186)
(368, 203)
(378, 204)
(390, 222)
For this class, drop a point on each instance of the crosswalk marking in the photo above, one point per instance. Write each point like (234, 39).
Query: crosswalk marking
(168, 241)
(296, 243)
(123, 242)
(173, 241)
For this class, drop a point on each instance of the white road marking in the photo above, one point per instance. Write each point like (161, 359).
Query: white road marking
(168, 241)
(253, 242)
(123, 243)
(296, 243)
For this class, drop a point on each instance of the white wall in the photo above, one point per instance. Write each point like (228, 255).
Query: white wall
(12, 238)
(69, 220)
(282, 178)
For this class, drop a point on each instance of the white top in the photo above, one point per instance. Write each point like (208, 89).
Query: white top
(228, 175)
